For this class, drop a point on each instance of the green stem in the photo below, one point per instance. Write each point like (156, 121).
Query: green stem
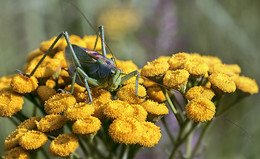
(83, 147)
(182, 139)
(31, 98)
(44, 153)
(174, 110)
(122, 152)
(189, 143)
(133, 149)
(13, 121)
(200, 139)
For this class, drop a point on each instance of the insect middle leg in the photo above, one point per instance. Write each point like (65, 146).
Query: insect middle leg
(130, 75)
(87, 81)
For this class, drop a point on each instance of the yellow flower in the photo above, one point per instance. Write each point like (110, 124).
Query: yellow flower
(155, 93)
(79, 93)
(127, 93)
(178, 60)
(33, 140)
(63, 145)
(24, 84)
(222, 68)
(98, 93)
(46, 69)
(10, 103)
(86, 126)
(139, 113)
(125, 130)
(51, 123)
(34, 54)
(45, 92)
(17, 153)
(164, 58)
(5, 82)
(176, 79)
(126, 66)
(149, 83)
(246, 85)
(50, 83)
(235, 68)
(61, 56)
(74, 39)
(155, 69)
(155, 108)
(200, 91)
(150, 135)
(79, 111)
(59, 103)
(13, 139)
(45, 45)
(90, 41)
(196, 66)
(29, 123)
(200, 110)
(222, 82)
(118, 109)
(99, 105)
(211, 60)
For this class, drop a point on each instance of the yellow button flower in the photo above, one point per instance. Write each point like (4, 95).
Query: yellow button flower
(10, 103)
(196, 66)
(118, 109)
(246, 85)
(222, 82)
(29, 123)
(155, 108)
(45, 92)
(176, 79)
(127, 93)
(200, 91)
(59, 103)
(178, 60)
(155, 93)
(33, 140)
(13, 139)
(17, 153)
(5, 82)
(155, 69)
(139, 113)
(24, 84)
(79, 111)
(222, 68)
(126, 130)
(150, 135)
(63, 145)
(200, 110)
(99, 105)
(126, 66)
(79, 92)
(86, 126)
(51, 123)
(90, 41)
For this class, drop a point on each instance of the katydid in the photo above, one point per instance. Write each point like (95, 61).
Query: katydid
(91, 69)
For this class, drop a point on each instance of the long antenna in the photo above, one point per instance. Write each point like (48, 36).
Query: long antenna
(89, 23)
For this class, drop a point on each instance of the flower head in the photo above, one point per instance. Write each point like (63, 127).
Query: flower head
(29, 123)
(17, 153)
(139, 113)
(126, 66)
(79, 92)
(178, 60)
(13, 139)
(125, 130)
(246, 85)
(86, 126)
(24, 84)
(10, 103)
(127, 93)
(155, 69)
(45, 92)
(155, 93)
(222, 68)
(5, 82)
(200, 91)
(59, 103)
(222, 82)
(33, 140)
(200, 110)
(196, 66)
(150, 135)
(155, 108)
(176, 79)
(118, 109)
(51, 123)
(91, 40)
(63, 145)
(79, 111)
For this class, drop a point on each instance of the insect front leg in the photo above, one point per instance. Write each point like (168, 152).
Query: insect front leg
(130, 75)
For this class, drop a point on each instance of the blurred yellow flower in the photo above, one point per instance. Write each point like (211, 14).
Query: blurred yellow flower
(17, 153)
(178, 60)
(29, 123)
(127, 93)
(12, 140)
(45, 92)
(33, 140)
(246, 84)
(90, 41)
(222, 83)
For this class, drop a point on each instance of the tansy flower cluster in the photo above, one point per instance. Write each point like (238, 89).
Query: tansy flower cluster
(190, 85)
(68, 120)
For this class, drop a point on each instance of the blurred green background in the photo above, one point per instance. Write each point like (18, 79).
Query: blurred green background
(144, 30)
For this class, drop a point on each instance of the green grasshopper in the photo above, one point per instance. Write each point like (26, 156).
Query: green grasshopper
(89, 68)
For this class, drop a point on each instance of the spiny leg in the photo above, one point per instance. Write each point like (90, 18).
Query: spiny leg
(101, 30)
(130, 75)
